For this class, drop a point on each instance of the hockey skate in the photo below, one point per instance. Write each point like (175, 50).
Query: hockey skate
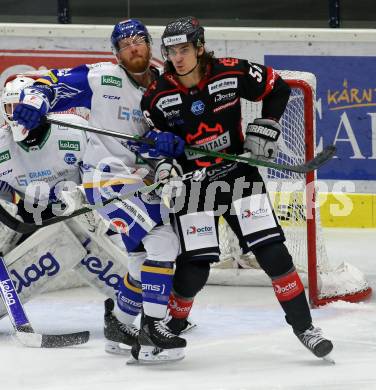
(313, 340)
(156, 344)
(116, 332)
(179, 326)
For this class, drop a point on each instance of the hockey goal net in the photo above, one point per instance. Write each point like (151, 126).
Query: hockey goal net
(296, 205)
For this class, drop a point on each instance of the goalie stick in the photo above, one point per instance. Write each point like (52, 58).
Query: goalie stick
(24, 331)
(28, 228)
(315, 163)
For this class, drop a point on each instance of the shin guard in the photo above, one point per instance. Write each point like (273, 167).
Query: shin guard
(289, 291)
(129, 299)
(156, 279)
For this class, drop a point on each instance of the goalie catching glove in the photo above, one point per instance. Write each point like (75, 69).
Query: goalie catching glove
(165, 170)
(261, 139)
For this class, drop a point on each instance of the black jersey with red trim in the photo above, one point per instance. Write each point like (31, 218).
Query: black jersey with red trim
(209, 114)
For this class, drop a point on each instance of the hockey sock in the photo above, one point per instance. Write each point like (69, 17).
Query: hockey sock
(289, 291)
(156, 279)
(129, 300)
(179, 307)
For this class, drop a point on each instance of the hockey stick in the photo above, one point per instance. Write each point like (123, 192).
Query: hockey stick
(27, 228)
(24, 331)
(309, 166)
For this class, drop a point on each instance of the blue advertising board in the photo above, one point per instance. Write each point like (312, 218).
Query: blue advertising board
(345, 110)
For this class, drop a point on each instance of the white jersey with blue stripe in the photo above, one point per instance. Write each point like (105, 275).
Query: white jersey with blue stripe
(114, 102)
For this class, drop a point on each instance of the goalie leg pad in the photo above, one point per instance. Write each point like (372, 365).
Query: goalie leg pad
(104, 267)
(47, 254)
(8, 237)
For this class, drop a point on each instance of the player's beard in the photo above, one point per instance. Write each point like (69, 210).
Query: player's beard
(137, 65)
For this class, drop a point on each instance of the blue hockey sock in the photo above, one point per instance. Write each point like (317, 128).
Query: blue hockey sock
(129, 299)
(156, 279)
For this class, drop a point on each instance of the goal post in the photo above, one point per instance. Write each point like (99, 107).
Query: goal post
(295, 200)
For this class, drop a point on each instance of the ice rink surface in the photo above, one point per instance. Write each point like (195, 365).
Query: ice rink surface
(241, 342)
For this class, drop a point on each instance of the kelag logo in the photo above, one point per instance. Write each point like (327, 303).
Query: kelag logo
(69, 145)
(112, 81)
(95, 266)
(4, 156)
(345, 111)
(46, 266)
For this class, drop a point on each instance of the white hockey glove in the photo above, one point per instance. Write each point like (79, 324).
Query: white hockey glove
(261, 139)
(166, 170)
(73, 199)
(91, 221)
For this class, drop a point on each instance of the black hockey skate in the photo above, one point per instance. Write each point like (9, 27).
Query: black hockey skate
(156, 343)
(115, 332)
(179, 326)
(313, 340)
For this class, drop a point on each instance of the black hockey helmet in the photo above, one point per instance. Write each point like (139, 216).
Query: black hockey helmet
(186, 29)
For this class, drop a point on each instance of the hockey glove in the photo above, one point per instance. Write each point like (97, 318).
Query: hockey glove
(165, 171)
(169, 145)
(34, 104)
(166, 144)
(73, 199)
(261, 139)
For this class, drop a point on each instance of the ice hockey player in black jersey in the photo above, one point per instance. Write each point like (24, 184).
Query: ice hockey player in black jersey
(198, 98)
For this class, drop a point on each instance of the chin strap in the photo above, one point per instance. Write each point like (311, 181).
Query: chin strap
(185, 74)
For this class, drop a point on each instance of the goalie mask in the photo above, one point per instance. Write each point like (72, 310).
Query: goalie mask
(9, 100)
(182, 30)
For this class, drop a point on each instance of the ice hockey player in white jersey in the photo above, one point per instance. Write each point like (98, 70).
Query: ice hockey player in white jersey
(111, 166)
(38, 164)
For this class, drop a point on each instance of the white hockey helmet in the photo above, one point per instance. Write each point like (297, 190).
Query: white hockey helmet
(9, 99)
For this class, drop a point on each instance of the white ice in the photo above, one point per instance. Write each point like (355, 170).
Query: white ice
(241, 342)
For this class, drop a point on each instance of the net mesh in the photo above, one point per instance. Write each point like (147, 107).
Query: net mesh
(288, 195)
